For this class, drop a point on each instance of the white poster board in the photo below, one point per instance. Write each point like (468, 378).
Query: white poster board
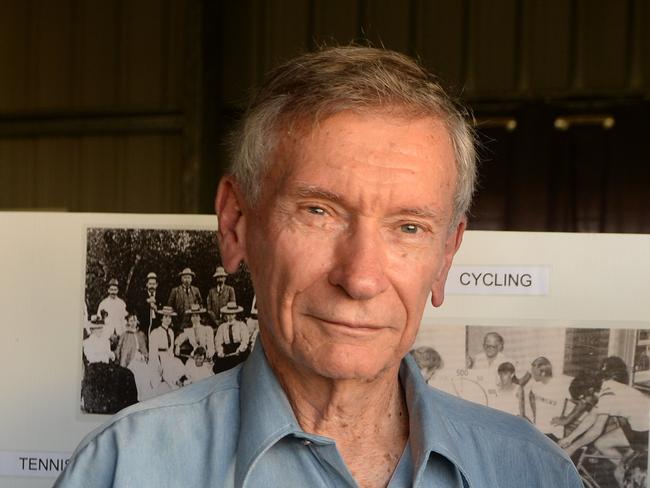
(522, 282)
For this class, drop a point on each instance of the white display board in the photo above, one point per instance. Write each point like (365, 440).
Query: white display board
(511, 283)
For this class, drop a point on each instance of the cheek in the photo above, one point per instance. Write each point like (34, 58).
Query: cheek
(282, 265)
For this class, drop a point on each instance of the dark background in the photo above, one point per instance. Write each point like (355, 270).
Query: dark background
(122, 105)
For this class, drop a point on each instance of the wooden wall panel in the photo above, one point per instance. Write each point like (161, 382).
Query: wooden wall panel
(336, 22)
(97, 51)
(100, 158)
(56, 173)
(142, 173)
(17, 182)
(14, 65)
(178, 45)
(240, 50)
(548, 46)
(494, 47)
(442, 38)
(142, 54)
(51, 58)
(604, 49)
(640, 79)
(389, 23)
(287, 31)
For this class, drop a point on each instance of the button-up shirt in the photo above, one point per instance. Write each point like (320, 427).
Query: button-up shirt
(237, 429)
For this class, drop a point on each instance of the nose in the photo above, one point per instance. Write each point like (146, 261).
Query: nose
(360, 263)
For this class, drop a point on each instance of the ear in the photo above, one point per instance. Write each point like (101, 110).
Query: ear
(231, 234)
(452, 244)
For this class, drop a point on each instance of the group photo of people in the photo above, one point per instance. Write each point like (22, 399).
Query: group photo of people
(160, 313)
(585, 389)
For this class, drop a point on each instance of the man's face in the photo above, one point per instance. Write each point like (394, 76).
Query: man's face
(220, 280)
(350, 236)
(112, 291)
(199, 360)
(166, 320)
(491, 346)
(152, 284)
(196, 319)
(230, 317)
(186, 280)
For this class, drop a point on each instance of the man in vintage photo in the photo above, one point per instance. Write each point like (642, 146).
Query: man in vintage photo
(183, 296)
(231, 341)
(220, 295)
(351, 178)
(147, 303)
(113, 310)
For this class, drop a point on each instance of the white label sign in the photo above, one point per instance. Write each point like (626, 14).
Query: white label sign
(498, 280)
(39, 464)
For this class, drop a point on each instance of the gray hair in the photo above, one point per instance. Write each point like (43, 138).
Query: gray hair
(317, 85)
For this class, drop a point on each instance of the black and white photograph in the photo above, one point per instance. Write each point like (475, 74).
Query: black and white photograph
(161, 312)
(586, 389)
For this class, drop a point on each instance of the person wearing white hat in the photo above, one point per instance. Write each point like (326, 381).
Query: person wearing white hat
(147, 302)
(97, 348)
(161, 341)
(232, 338)
(220, 295)
(183, 296)
(113, 310)
(196, 334)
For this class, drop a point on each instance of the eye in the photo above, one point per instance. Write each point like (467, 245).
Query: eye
(410, 228)
(316, 211)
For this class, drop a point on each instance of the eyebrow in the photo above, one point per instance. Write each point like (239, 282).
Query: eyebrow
(316, 192)
(422, 212)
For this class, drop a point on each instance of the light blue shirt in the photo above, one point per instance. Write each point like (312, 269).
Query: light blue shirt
(237, 429)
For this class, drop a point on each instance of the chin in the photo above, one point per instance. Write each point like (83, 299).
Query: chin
(345, 362)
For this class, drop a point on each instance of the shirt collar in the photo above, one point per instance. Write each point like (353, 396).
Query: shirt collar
(430, 430)
(267, 417)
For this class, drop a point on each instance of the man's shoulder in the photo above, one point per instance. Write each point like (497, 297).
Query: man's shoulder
(176, 434)
(481, 441)
(193, 404)
(491, 428)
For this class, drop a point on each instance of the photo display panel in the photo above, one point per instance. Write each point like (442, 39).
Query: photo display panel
(106, 310)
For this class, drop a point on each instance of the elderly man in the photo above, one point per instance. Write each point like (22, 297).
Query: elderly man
(351, 178)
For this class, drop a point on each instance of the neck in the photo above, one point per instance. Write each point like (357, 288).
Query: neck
(353, 412)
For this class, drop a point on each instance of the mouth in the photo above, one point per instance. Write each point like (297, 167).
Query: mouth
(348, 327)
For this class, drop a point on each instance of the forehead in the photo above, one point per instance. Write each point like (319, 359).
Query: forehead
(409, 159)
